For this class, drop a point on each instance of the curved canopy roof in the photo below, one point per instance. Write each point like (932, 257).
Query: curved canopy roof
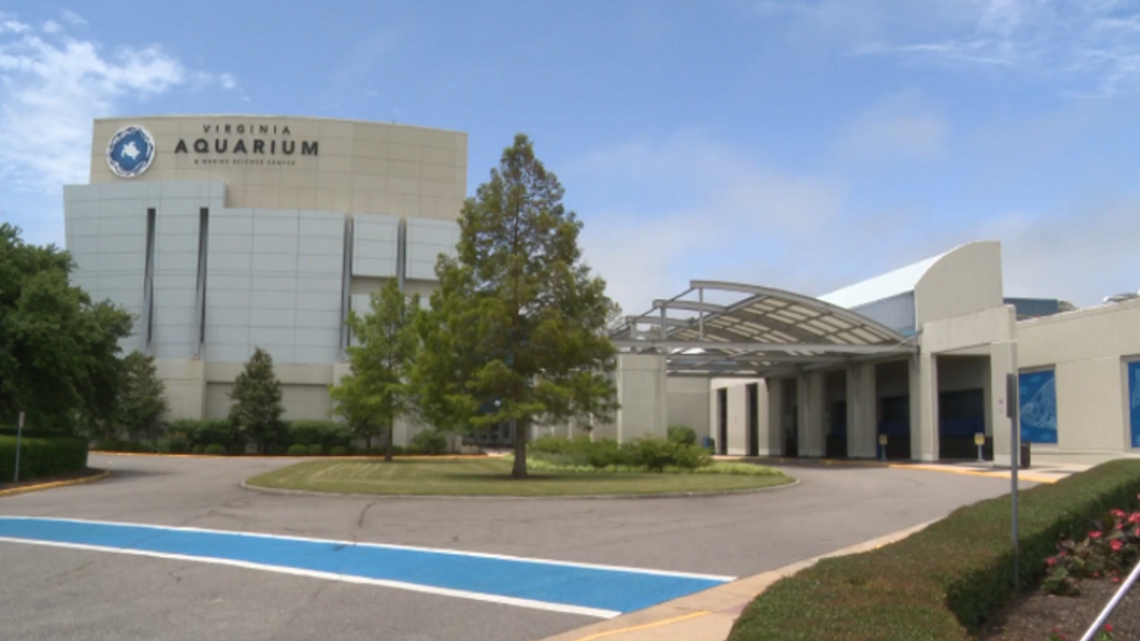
(767, 332)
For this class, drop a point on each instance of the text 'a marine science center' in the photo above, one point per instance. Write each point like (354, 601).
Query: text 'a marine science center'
(223, 234)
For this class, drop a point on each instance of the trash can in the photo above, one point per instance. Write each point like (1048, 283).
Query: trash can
(708, 443)
(1026, 459)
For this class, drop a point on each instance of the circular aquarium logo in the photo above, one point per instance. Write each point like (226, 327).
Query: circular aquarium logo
(131, 151)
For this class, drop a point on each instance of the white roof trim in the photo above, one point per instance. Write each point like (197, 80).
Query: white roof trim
(894, 283)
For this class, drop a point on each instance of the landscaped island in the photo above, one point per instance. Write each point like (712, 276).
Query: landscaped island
(559, 467)
(491, 477)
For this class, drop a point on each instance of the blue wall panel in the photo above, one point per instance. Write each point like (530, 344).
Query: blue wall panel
(1134, 400)
(1038, 393)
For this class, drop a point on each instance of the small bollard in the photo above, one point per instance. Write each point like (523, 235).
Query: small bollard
(882, 447)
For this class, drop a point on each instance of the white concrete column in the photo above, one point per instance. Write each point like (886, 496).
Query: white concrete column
(1003, 361)
(862, 434)
(924, 407)
(737, 432)
(810, 428)
(772, 434)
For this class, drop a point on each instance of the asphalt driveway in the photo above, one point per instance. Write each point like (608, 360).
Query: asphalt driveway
(52, 592)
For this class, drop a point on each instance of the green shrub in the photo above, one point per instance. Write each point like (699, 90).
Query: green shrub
(215, 449)
(297, 449)
(147, 447)
(174, 445)
(338, 450)
(316, 450)
(327, 434)
(430, 442)
(42, 456)
(198, 449)
(682, 434)
(735, 469)
(277, 449)
(207, 432)
(107, 445)
(945, 581)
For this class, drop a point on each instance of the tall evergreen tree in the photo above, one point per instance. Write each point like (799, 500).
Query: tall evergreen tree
(378, 387)
(142, 401)
(516, 331)
(256, 395)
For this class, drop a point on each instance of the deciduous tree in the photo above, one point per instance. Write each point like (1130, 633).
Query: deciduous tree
(518, 317)
(59, 350)
(387, 344)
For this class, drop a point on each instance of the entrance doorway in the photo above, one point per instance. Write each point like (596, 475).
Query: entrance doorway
(961, 415)
(752, 396)
(835, 397)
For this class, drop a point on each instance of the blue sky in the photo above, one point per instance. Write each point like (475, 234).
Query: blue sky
(803, 144)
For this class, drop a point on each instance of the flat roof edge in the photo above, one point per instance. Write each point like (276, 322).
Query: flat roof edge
(355, 121)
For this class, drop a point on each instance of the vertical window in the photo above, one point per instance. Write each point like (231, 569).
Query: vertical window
(1038, 395)
(1134, 401)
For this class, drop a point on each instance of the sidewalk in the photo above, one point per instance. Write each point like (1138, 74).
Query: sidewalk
(708, 615)
(1038, 473)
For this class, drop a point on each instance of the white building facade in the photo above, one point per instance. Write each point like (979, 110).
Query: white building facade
(222, 234)
(913, 364)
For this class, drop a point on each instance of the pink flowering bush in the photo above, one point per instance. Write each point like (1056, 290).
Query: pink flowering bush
(1111, 547)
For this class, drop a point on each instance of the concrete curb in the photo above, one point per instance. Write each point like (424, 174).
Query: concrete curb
(54, 484)
(320, 457)
(480, 497)
(710, 615)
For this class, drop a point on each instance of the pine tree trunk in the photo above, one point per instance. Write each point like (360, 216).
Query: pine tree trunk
(519, 471)
(388, 451)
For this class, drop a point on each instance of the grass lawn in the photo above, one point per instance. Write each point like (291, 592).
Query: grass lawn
(488, 477)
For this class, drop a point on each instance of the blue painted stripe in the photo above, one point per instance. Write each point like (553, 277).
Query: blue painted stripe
(615, 589)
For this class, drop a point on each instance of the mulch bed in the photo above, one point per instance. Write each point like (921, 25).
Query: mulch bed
(1033, 617)
(79, 474)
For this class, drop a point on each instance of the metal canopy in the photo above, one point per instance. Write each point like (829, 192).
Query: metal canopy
(766, 332)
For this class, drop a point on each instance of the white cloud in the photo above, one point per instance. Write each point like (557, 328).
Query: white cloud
(11, 25)
(54, 87)
(1081, 253)
(692, 207)
(900, 125)
(714, 214)
(51, 26)
(1092, 45)
(73, 18)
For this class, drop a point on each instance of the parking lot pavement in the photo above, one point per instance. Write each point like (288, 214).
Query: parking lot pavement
(51, 592)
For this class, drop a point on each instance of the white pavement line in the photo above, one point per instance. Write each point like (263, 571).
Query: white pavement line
(398, 585)
(387, 546)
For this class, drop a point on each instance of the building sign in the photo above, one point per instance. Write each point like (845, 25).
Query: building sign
(1038, 394)
(1134, 400)
(242, 144)
(130, 152)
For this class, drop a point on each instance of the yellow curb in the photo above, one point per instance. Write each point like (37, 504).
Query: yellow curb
(951, 470)
(47, 486)
(900, 466)
(645, 626)
(721, 601)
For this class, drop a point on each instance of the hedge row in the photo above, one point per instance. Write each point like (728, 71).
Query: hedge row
(654, 454)
(41, 456)
(942, 583)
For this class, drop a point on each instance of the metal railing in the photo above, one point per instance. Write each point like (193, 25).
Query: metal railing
(1112, 604)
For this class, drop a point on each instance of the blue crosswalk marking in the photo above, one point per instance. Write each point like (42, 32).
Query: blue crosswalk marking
(604, 589)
